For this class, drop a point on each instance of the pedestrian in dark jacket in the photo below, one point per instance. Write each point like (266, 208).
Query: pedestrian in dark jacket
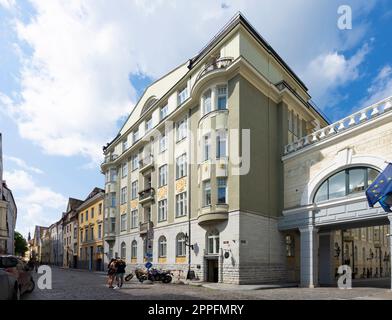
(120, 271)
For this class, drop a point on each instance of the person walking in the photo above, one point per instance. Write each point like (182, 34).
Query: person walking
(111, 272)
(120, 271)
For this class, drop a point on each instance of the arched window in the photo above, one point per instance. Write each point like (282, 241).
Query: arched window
(123, 250)
(149, 103)
(213, 242)
(134, 249)
(162, 247)
(180, 245)
(345, 182)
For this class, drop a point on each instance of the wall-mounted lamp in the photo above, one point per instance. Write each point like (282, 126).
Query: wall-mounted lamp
(337, 250)
(187, 241)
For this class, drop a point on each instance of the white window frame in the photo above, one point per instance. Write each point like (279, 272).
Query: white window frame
(180, 245)
(207, 190)
(218, 186)
(162, 210)
(123, 222)
(124, 195)
(163, 112)
(162, 175)
(218, 95)
(162, 247)
(134, 219)
(134, 189)
(207, 107)
(148, 125)
(135, 162)
(134, 249)
(206, 147)
(124, 169)
(181, 129)
(163, 142)
(135, 136)
(181, 166)
(181, 204)
(214, 238)
(221, 135)
(182, 95)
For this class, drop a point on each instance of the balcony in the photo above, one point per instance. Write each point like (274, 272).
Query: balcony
(146, 163)
(219, 64)
(146, 195)
(209, 215)
(380, 109)
(145, 227)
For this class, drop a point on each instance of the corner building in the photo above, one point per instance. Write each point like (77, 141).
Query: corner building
(186, 186)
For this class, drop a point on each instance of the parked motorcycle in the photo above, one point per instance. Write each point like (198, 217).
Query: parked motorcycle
(159, 275)
(153, 275)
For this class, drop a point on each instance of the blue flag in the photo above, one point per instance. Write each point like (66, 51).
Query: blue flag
(381, 190)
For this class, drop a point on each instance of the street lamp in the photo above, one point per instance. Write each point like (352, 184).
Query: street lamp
(187, 241)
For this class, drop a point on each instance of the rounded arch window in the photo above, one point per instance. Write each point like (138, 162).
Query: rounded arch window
(345, 182)
(180, 245)
(123, 250)
(162, 245)
(134, 249)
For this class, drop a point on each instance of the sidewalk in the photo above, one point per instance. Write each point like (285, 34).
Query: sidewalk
(82, 270)
(240, 287)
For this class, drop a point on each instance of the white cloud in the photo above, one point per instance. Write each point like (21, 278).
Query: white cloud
(37, 205)
(75, 87)
(23, 165)
(7, 4)
(381, 86)
(332, 70)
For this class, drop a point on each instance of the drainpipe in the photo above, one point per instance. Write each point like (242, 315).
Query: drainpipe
(189, 201)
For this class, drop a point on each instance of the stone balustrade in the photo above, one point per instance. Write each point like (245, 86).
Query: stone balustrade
(353, 120)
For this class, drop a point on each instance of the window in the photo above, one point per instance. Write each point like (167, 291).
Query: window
(162, 210)
(100, 231)
(111, 175)
(134, 219)
(162, 143)
(134, 189)
(206, 193)
(163, 112)
(346, 182)
(81, 217)
(123, 222)
(100, 209)
(221, 144)
(180, 245)
(213, 242)
(92, 233)
(148, 124)
(86, 235)
(290, 246)
(162, 245)
(86, 215)
(124, 145)
(81, 235)
(92, 213)
(181, 205)
(135, 136)
(181, 129)
(181, 166)
(124, 195)
(112, 225)
(124, 169)
(75, 233)
(135, 162)
(134, 249)
(163, 175)
(207, 102)
(182, 95)
(206, 147)
(111, 199)
(222, 190)
(222, 98)
(123, 250)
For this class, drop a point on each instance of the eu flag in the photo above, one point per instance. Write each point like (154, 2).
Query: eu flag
(381, 190)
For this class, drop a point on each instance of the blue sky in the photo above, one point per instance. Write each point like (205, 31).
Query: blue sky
(70, 73)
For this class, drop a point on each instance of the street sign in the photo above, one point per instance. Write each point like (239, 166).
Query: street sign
(148, 265)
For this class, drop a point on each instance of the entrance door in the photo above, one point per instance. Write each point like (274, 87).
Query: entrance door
(212, 270)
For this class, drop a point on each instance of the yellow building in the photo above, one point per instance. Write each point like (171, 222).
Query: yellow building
(90, 214)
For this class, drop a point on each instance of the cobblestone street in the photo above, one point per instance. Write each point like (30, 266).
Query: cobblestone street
(83, 285)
